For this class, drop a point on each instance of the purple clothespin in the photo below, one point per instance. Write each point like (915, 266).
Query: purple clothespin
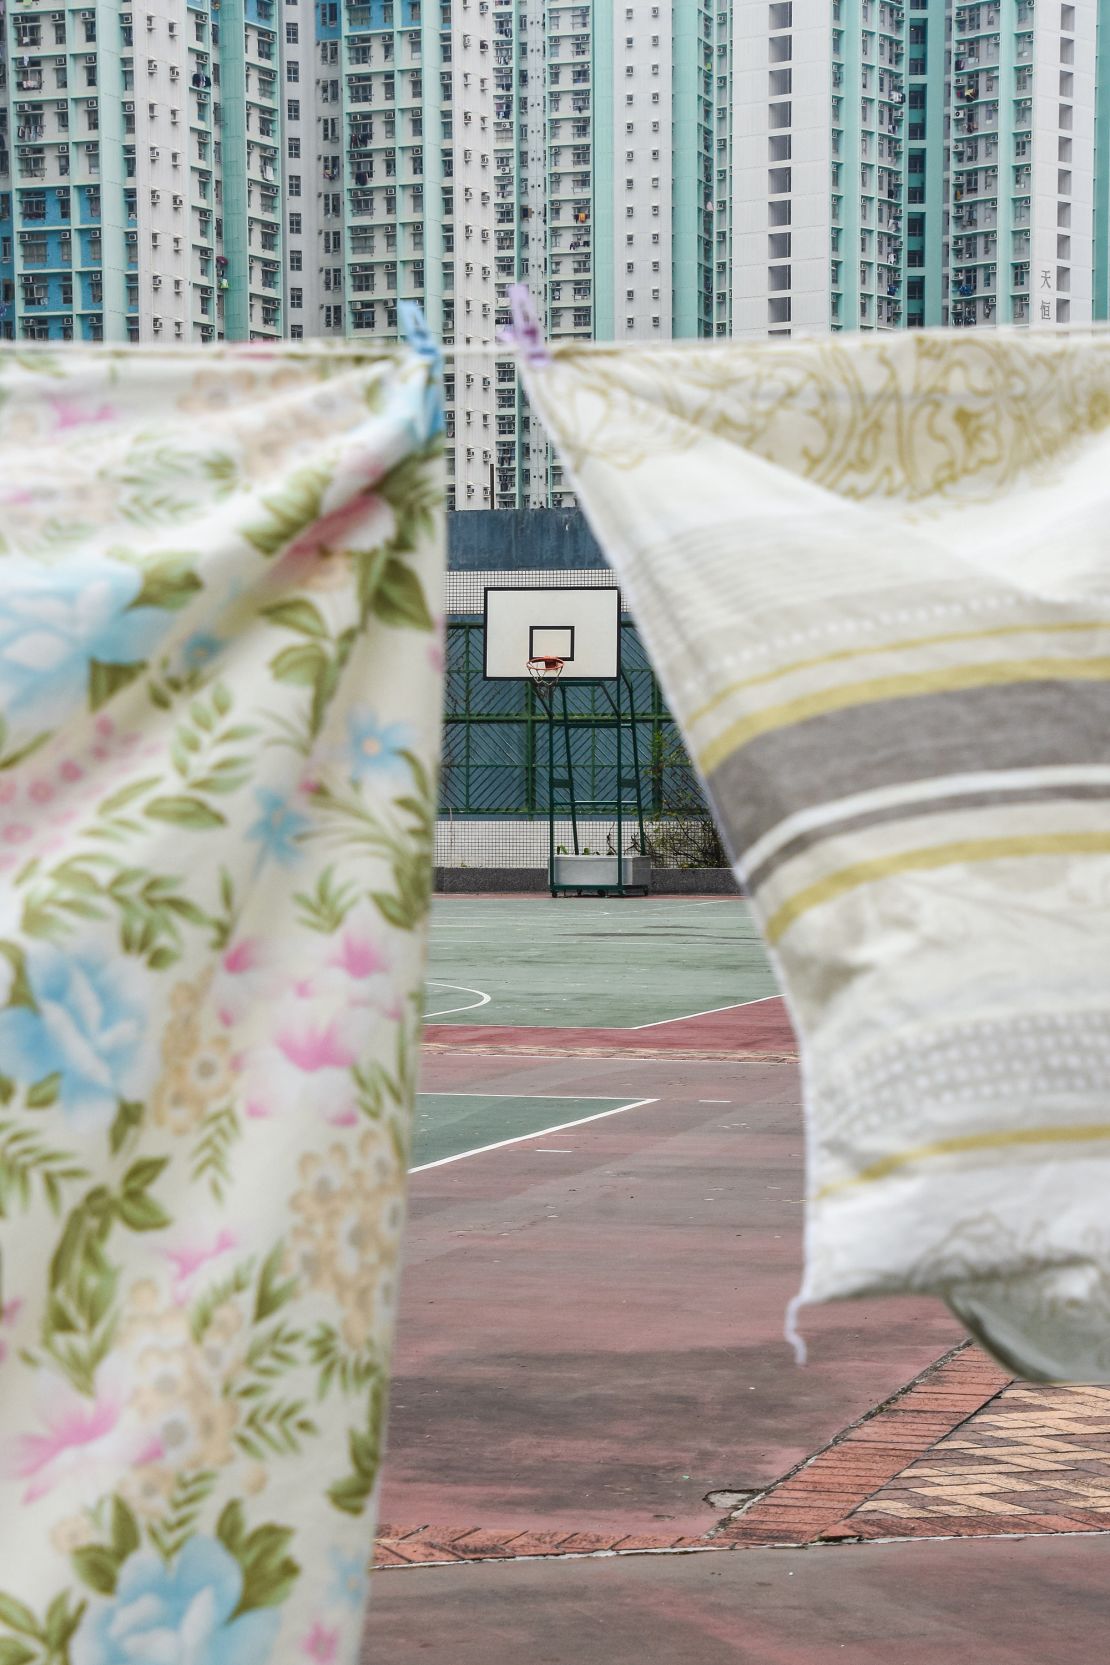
(526, 333)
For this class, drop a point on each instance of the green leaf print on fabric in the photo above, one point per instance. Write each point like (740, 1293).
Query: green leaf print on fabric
(289, 512)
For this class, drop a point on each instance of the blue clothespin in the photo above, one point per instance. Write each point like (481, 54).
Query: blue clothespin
(414, 328)
(526, 333)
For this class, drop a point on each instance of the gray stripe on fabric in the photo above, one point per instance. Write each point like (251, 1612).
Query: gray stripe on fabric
(886, 743)
(921, 809)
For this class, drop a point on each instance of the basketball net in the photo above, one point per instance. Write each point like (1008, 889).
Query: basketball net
(545, 672)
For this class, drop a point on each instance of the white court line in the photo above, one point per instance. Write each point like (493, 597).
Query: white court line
(733, 1006)
(540, 1133)
(623, 1028)
(459, 988)
(559, 1098)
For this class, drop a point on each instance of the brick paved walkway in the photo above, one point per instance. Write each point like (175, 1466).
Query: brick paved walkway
(963, 1451)
(1037, 1459)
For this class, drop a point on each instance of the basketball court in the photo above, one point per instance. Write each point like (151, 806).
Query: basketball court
(601, 1448)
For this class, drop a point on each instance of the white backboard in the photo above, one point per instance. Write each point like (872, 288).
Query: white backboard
(576, 623)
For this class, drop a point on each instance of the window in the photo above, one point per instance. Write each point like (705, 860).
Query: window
(292, 33)
(294, 148)
(296, 299)
(333, 317)
(294, 225)
(296, 332)
(294, 184)
(293, 109)
(293, 71)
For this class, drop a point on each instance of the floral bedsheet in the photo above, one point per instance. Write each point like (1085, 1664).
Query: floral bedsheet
(220, 667)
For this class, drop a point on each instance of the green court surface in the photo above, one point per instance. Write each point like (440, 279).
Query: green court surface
(453, 1124)
(591, 962)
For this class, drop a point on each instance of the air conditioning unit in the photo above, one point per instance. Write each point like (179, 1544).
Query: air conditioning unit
(157, 322)
(129, 109)
(175, 72)
(154, 153)
(179, 202)
(155, 197)
(156, 281)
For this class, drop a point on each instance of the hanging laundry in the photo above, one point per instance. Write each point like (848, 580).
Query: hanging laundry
(873, 575)
(219, 725)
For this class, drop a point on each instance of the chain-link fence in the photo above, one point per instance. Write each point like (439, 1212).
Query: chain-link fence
(497, 777)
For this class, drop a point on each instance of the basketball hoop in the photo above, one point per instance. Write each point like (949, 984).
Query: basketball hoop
(545, 672)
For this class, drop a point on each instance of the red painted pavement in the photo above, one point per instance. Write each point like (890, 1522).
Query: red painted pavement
(1035, 1601)
(761, 1027)
(590, 1336)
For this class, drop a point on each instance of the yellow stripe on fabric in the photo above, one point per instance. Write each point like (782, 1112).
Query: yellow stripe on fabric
(946, 679)
(1084, 1134)
(921, 860)
(840, 654)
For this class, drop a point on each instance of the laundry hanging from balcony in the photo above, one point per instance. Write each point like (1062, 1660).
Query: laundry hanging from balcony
(220, 571)
(873, 576)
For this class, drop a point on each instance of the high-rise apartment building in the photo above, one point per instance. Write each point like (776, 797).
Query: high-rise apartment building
(203, 169)
(927, 163)
(462, 145)
(140, 171)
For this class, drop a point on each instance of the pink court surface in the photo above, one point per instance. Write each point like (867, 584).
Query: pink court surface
(600, 1445)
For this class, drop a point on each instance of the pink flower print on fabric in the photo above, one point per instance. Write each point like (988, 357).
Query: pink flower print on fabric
(188, 1260)
(241, 956)
(321, 1645)
(84, 1444)
(317, 1049)
(360, 956)
(363, 522)
(69, 414)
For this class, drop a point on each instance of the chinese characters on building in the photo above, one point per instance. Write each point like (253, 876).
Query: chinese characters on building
(1047, 308)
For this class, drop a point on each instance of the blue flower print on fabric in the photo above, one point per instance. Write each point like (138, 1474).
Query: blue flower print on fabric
(180, 1615)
